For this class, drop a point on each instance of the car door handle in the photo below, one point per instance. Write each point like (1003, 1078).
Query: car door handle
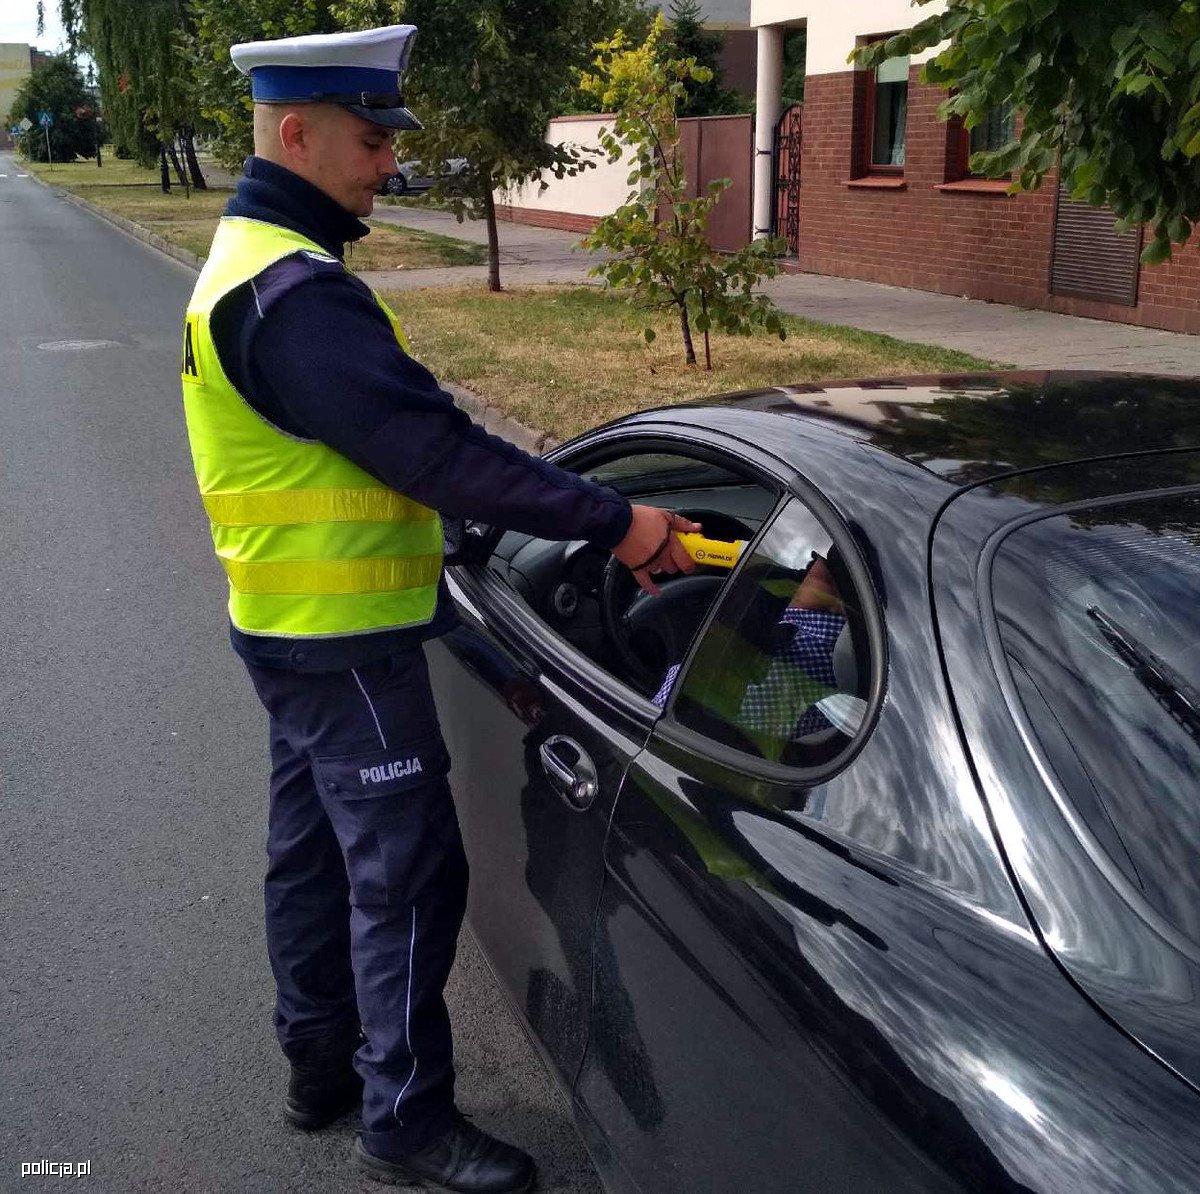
(576, 782)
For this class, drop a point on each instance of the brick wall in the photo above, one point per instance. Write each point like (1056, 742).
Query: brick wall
(951, 240)
(540, 218)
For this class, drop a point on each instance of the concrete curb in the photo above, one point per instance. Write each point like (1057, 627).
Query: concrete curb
(493, 419)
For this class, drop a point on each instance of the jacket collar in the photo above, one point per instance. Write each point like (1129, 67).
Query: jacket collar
(275, 195)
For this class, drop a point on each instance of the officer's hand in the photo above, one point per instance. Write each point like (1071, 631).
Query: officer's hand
(652, 545)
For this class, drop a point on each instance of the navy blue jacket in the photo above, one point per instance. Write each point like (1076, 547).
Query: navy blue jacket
(308, 347)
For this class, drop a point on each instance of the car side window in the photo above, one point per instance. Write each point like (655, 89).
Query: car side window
(583, 594)
(783, 670)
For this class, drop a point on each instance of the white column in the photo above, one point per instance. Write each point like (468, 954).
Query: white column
(767, 111)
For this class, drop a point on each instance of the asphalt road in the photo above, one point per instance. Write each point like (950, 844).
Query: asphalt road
(135, 1031)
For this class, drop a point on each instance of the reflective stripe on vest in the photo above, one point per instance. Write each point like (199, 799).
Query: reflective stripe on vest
(313, 546)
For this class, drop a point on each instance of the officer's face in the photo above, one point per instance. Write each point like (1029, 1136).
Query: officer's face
(350, 158)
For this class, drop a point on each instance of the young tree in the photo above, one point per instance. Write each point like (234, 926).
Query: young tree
(1112, 91)
(485, 79)
(56, 87)
(658, 238)
(690, 40)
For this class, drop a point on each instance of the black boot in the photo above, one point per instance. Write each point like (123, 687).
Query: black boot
(464, 1159)
(324, 1084)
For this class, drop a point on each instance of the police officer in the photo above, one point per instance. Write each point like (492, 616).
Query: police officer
(324, 453)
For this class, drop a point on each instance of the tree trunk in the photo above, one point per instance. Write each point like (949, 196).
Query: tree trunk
(489, 207)
(689, 349)
(707, 342)
(164, 171)
(188, 138)
(179, 171)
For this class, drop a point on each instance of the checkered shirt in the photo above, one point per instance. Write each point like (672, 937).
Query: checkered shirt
(801, 673)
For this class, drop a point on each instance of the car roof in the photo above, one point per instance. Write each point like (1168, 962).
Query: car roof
(968, 428)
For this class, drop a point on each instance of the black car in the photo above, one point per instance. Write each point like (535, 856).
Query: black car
(894, 884)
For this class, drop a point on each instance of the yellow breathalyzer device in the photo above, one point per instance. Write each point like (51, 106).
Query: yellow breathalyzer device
(717, 553)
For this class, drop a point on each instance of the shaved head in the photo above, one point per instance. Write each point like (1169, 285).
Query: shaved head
(344, 155)
(268, 119)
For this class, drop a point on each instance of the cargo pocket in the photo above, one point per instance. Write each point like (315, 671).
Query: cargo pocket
(386, 807)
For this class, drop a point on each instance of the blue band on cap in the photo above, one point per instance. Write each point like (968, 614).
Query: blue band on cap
(290, 83)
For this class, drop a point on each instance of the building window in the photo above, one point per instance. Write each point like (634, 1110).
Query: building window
(996, 131)
(993, 133)
(887, 116)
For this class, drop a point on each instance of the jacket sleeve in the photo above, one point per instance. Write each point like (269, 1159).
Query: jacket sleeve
(325, 351)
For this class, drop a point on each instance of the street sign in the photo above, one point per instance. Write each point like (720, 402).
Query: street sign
(45, 119)
(25, 125)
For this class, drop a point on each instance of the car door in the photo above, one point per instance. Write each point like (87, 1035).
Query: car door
(681, 1031)
(541, 735)
(540, 744)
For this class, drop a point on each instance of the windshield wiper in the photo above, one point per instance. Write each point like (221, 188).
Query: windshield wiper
(1172, 691)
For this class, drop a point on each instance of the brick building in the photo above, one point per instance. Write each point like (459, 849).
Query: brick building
(17, 62)
(885, 193)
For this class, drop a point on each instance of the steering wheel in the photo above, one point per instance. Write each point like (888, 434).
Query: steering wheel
(648, 634)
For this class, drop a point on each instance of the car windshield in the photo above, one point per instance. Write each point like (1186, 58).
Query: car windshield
(654, 472)
(1099, 618)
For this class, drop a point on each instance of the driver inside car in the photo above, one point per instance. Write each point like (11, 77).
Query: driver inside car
(801, 670)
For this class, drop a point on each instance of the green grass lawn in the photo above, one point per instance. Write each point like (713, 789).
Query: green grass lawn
(114, 172)
(568, 357)
(189, 220)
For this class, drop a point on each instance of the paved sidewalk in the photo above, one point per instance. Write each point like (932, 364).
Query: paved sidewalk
(1024, 338)
(528, 255)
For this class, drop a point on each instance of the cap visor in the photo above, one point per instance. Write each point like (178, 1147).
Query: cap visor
(389, 118)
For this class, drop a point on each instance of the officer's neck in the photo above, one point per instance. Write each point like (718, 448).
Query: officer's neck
(274, 193)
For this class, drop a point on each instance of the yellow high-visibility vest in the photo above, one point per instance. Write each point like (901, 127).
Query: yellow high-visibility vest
(312, 545)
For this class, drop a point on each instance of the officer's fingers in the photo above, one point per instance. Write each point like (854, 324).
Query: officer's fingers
(677, 558)
(642, 576)
(685, 526)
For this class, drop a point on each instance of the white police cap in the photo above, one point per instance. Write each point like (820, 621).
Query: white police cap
(361, 71)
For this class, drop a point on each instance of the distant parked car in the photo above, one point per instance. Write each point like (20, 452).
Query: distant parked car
(408, 176)
(867, 856)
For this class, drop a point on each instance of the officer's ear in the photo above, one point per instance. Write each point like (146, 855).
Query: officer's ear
(295, 134)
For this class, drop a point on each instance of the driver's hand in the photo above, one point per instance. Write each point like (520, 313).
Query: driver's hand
(652, 545)
(818, 590)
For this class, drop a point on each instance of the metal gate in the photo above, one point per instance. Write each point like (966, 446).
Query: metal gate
(721, 147)
(789, 141)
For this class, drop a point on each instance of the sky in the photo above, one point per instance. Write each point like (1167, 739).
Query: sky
(18, 23)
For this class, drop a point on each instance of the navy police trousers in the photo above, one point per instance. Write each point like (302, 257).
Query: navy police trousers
(366, 882)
